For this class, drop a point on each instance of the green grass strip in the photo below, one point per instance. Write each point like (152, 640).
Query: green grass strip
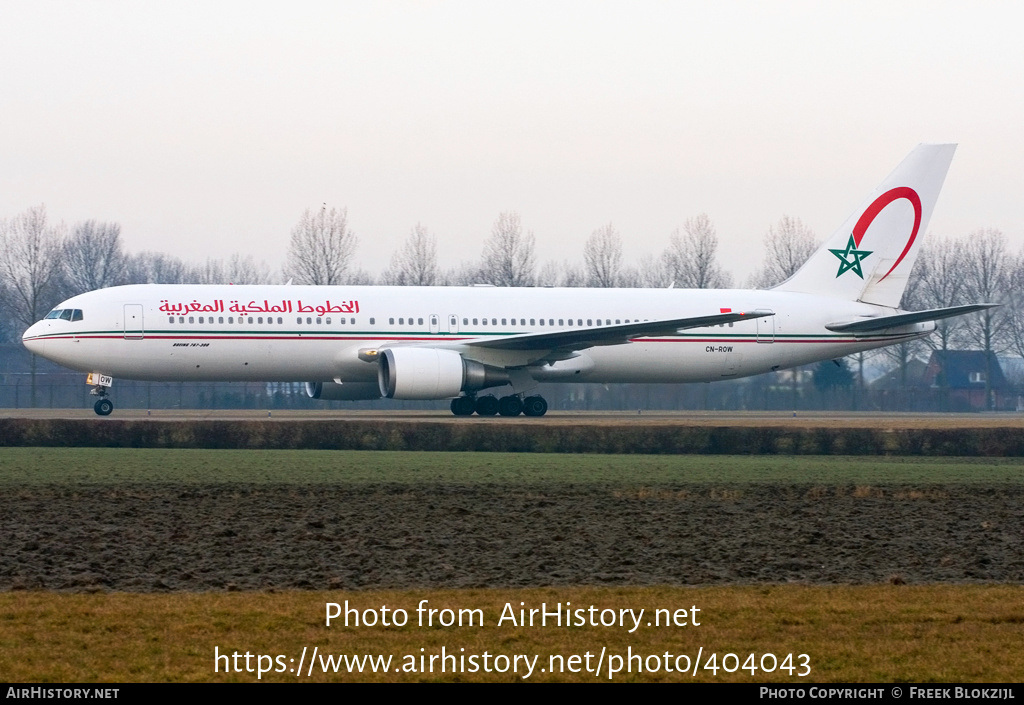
(70, 466)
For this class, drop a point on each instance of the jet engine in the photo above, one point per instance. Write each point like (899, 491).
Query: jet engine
(429, 373)
(345, 391)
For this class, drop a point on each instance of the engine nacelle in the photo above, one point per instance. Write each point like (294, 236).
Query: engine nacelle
(430, 373)
(346, 391)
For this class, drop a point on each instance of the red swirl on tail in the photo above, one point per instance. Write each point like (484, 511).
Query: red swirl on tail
(876, 207)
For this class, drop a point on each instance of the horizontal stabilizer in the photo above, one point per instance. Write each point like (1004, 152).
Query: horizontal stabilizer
(868, 325)
(580, 338)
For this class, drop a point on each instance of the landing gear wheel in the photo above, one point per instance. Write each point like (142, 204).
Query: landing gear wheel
(487, 405)
(535, 406)
(510, 405)
(103, 407)
(463, 406)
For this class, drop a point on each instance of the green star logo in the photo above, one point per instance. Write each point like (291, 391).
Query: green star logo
(849, 259)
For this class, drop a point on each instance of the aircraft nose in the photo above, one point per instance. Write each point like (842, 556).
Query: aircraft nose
(30, 338)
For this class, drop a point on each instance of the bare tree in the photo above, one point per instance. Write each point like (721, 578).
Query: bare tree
(652, 273)
(155, 268)
(937, 281)
(691, 260)
(508, 258)
(30, 267)
(787, 245)
(1015, 304)
(322, 247)
(245, 270)
(564, 273)
(360, 277)
(415, 264)
(464, 274)
(93, 257)
(987, 271)
(30, 263)
(602, 257)
(237, 270)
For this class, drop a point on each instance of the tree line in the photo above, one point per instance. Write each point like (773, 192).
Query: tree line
(43, 262)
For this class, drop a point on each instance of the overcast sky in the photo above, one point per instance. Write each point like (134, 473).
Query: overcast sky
(207, 128)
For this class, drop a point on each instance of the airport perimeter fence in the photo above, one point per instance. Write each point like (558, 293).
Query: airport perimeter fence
(67, 390)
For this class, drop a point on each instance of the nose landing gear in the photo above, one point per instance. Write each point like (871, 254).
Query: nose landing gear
(100, 385)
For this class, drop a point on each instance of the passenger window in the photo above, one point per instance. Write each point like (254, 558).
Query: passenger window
(419, 321)
(513, 321)
(328, 320)
(551, 321)
(219, 320)
(483, 321)
(474, 322)
(318, 320)
(299, 319)
(170, 319)
(494, 321)
(465, 321)
(503, 322)
(250, 319)
(372, 321)
(522, 321)
(391, 321)
(200, 319)
(181, 319)
(279, 320)
(258, 320)
(542, 321)
(191, 319)
(533, 322)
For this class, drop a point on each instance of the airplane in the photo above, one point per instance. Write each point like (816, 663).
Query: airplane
(369, 342)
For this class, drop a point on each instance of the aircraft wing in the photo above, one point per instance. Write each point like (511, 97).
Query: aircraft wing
(580, 338)
(867, 325)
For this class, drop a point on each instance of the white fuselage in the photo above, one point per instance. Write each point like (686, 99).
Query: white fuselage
(309, 333)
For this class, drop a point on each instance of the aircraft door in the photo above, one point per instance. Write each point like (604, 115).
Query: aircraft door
(435, 324)
(133, 327)
(766, 329)
(453, 323)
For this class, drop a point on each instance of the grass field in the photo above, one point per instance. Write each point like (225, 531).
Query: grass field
(31, 466)
(880, 633)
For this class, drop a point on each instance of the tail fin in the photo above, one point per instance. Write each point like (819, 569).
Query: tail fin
(870, 257)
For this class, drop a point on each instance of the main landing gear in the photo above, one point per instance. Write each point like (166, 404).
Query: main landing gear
(489, 405)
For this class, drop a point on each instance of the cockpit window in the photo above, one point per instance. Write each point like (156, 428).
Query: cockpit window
(65, 314)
